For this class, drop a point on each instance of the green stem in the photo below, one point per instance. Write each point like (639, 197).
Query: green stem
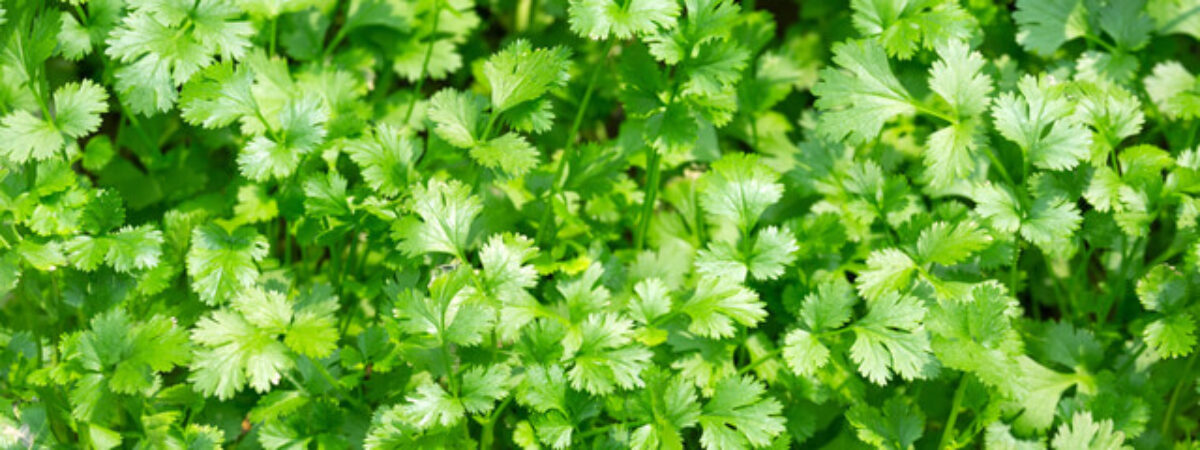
(1175, 393)
(955, 405)
(759, 361)
(546, 223)
(437, 13)
(491, 123)
(487, 434)
(652, 163)
(933, 112)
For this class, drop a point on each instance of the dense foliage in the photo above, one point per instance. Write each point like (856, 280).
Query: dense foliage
(599, 224)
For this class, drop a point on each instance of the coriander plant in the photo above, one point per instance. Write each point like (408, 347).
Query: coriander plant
(444, 224)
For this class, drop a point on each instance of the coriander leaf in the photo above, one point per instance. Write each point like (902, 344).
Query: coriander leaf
(386, 157)
(162, 43)
(947, 244)
(888, 271)
(24, 137)
(1041, 123)
(671, 401)
(447, 210)
(325, 195)
(861, 95)
(506, 276)
(739, 188)
(1046, 24)
(902, 26)
(457, 116)
(803, 352)
(446, 314)
(604, 356)
(509, 152)
(1173, 89)
(77, 108)
(738, 417)
(895, 426)
(222, 263)
(218, 95)
(997, 204)
(1084, 432)
(133, 248)
(890, 339)
(597, 19)
(1172, 336)
(278, 154)
(520, 73)
(430, 405)
(958, 80)
(241, 344)
(717, 304)
(483, 386)
(652, 299)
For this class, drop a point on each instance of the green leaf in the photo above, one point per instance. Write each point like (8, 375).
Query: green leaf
(598, 19)
(958, 80)
(77, 108)
(430, 405)
(520, 73)
(161, 44)
(890, 339)
(671, 401)
(277, 155)
(325, 195)
(739, 188)
(738, 417)
(719, 303)
(1084, 432)
(510, 153)
(482, 387)
(457, 116)
(604, 356)
(24, 137)
(888, 270)
(218, 95)
(386, 157)
(895, 426)
(861, 95)
(903, 26)
(804, 353)
(1172, 336)
(132, 249)
(1174, 90)
(445, 314)
(1042, 123)
(447, 210)
(1046, 24)
(947, 244)
(222, 263)
(505, 275)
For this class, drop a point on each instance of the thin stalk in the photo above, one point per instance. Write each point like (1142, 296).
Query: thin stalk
(559, 171)
(758, 362)
(955, 405)
(1175, 393)
(487, 434)
(652, 163)
(437, 13)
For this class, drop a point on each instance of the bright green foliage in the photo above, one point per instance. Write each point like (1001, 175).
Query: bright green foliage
(862, 94)
(240, 344)
(600, 224)
(77, 110)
